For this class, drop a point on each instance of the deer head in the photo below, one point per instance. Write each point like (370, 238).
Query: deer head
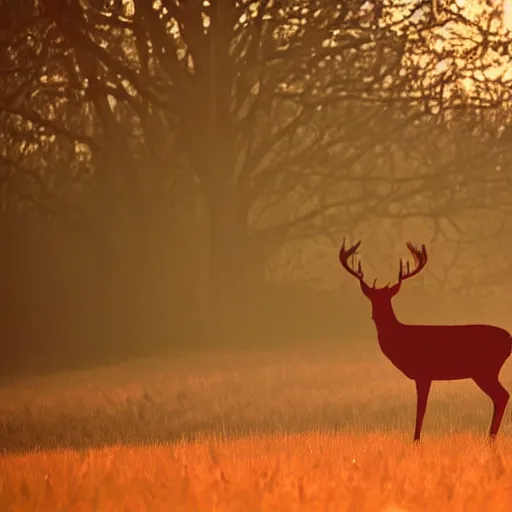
(381, 297)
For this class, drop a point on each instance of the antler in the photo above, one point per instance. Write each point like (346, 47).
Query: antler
(420, 259)
(345, 254)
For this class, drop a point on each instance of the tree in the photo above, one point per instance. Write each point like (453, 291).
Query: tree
(277, 111)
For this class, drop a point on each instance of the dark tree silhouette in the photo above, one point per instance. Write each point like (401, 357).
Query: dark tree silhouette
(258, 102)
(425, 353)
(231, 128)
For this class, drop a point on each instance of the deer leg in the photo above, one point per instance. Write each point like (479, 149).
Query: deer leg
(493, 388)
(422, 391)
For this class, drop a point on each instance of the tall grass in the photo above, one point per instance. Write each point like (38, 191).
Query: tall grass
(313, 430)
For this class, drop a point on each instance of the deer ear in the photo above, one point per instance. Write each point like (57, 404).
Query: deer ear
(395, 289)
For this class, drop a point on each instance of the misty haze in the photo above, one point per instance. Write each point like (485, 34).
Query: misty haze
(236, 236)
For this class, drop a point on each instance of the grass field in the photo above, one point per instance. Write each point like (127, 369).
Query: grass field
(312, 430)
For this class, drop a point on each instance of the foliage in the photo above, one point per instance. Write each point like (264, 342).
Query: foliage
(173, 151)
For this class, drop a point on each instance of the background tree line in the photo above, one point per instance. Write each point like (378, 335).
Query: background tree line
(180, 173)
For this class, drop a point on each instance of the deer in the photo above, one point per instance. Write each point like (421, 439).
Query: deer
(426, 353)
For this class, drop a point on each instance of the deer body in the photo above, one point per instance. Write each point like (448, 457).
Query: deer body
(425, 353)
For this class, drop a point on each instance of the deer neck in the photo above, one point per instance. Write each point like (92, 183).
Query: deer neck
(391, 336)
(384, 318)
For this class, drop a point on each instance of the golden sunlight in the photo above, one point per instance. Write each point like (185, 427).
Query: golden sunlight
(507, 14)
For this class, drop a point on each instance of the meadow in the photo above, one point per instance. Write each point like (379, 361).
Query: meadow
(306, 429)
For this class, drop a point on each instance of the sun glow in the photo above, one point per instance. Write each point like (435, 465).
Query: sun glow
(507, 14)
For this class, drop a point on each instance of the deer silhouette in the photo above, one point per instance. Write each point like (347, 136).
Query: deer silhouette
(425, 353)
